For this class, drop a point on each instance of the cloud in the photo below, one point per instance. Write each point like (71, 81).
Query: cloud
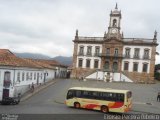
(48, 26)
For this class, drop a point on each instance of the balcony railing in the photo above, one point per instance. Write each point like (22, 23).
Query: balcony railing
(80, 54)
(136, 57)
(146, 57)
(91, 38)
(96, 54)
(110, 55)
(126, 56)
(83, 54)
(7, 83)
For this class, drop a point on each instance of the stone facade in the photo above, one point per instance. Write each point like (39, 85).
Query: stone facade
(132, 57)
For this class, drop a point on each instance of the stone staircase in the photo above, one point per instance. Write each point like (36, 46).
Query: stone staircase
(129, 76)
(81, 72)
(89, 73)
(138, 77)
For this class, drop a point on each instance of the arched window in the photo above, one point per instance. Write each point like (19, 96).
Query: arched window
(18, 77)
(145, 67)
(146, 54)
(89, 50)
(114, 23)
(81, 50)
(80, 63)
(116, 52)
(115, 66)
(96, 63)
(88, 62)
(7, 75)
(126, 65)
(106, 66)
(127, 52)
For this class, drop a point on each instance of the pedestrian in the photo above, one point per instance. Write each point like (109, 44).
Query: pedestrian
(158, 97)
(82, 78)
(32, 87)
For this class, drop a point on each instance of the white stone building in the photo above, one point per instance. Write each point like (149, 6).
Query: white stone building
(114, 57)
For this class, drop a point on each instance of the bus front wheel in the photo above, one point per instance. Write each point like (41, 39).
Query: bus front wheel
(77, 105)
(104, 109)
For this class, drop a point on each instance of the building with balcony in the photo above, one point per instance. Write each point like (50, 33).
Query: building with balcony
(113, 56)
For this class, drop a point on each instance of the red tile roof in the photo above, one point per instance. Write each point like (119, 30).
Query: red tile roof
(47, 63)
(7, 58)
(40, 63)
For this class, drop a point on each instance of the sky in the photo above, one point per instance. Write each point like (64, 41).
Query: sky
(48, 26)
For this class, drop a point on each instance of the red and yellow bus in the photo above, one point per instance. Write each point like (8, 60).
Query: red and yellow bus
(105, 100)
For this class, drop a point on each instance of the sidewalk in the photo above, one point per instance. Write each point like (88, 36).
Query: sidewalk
(37, 89)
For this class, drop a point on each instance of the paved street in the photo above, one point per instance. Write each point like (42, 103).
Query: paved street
(51, 99)
(48, 101)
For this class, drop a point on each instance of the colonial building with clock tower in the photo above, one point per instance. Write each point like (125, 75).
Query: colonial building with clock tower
(114, 57)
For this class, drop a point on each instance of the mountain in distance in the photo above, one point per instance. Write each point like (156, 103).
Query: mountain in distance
(32, 55)
(61, 59)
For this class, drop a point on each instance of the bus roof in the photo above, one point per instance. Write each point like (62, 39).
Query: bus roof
(100, 89)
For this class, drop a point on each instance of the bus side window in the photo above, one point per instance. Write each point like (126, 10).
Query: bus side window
(119, 97)
(86, 94)
(106, 96)
(78, 94)
(95, 95)
(100, 96)
(110, 96)
(70, 94)
(122, 97)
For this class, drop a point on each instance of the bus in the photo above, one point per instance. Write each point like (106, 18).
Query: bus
(105, 100)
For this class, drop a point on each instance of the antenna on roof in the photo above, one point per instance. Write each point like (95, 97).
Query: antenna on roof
(155, 34)
(76, 36)
(77, 32)
(116, 6)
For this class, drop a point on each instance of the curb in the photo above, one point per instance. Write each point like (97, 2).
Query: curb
(37, 91)
(59, 102)
(142, 103)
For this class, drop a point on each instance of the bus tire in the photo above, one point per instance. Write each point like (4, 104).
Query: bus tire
(77, 105)
(104, 109)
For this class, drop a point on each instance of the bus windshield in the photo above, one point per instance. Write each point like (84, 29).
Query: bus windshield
(129, 94)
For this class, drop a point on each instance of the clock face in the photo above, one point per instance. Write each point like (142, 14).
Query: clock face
(114, 30)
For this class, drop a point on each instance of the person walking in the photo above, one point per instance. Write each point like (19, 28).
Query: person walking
(32, 87)
(158, 97)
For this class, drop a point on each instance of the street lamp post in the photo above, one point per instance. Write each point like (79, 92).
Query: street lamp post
(113, 75)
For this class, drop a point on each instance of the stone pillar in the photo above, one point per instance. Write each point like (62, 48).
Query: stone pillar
(74, 62)
(152, 62)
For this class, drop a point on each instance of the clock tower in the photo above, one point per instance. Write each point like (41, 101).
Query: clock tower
(114, 24)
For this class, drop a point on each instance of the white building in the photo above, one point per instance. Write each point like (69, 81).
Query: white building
(114, 57)
(17, 74)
